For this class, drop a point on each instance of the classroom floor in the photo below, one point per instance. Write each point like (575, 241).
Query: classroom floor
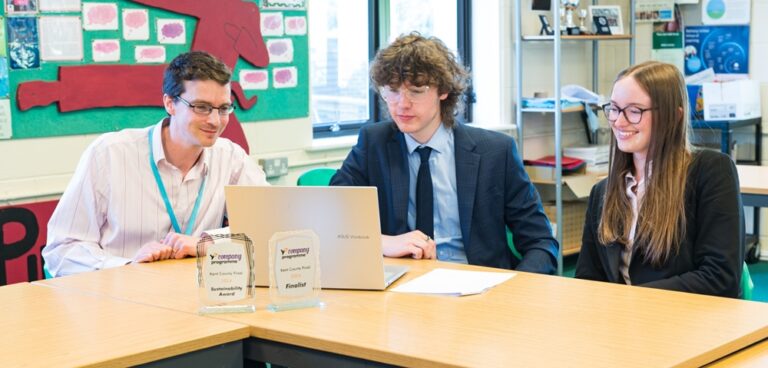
(758, 271)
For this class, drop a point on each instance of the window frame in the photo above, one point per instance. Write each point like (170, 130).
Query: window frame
(378, 28)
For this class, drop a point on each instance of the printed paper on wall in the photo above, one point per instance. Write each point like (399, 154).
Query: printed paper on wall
(296, 26)
(61, 38)
(136, 24)
(19, 7)
(23, 42)
(107, 50)
(280, 50)
(99, 16)
(254, 79)
(150, 54)
(285, 77)
(171, 31)
(59, 5)
(271, 24)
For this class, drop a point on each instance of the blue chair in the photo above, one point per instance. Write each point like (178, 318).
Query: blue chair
(317, 177)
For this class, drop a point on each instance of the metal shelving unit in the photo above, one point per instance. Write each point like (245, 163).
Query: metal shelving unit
(557, 111)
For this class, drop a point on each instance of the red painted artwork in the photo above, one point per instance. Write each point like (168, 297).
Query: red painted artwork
(229, 29)
(23, 232)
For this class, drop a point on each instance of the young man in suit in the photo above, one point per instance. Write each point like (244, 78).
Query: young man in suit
(446, 190)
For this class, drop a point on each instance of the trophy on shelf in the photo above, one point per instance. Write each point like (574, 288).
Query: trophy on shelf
(582, 16)
(569, 7)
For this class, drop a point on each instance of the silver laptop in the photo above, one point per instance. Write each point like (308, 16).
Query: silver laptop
(346, 219)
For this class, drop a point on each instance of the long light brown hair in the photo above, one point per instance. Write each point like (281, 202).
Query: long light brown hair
(661, 216)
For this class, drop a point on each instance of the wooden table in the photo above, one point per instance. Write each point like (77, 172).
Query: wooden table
(753, 181)
(531, 320)
(752, 356)
(45, 326)
(754, 185)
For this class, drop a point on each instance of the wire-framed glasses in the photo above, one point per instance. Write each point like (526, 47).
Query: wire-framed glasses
(206, 109)
(413, 94)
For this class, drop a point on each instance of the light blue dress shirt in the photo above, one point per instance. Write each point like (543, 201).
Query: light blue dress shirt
(442, 165)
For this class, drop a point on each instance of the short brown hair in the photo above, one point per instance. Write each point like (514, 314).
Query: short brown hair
(193, 65)
(422, 61)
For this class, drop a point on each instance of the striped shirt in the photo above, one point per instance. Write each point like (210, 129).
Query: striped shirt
(112, 206)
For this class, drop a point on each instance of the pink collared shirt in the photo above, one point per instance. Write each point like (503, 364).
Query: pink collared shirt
(112, 205)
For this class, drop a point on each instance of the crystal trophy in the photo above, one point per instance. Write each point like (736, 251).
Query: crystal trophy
(294, 270)
(582, 16)
(225, 274)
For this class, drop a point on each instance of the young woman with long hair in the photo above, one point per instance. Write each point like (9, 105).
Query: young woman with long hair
(666, 216)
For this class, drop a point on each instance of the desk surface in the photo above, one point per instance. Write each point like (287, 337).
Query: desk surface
(753, 179)
(753, 356)
(65, 328)
(531, 320)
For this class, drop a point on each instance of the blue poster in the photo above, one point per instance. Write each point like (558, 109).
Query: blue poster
(23, 42)
(723, 48)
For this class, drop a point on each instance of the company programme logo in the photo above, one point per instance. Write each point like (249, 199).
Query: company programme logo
(220, 259)
(290, 253)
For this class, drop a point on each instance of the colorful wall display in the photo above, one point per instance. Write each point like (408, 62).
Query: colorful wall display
(110, 77)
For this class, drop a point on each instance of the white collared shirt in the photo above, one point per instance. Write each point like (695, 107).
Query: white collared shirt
(112, 205)
(635, 193)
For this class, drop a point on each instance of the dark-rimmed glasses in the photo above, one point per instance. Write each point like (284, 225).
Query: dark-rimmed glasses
(632, 114)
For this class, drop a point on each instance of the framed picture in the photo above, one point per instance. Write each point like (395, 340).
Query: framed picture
(541, 4)
(601, 25)
(612, 13)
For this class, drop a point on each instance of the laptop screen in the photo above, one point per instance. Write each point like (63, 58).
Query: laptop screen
(346, 220)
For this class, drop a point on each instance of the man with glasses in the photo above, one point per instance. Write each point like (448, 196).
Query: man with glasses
(143, 195)
(446, 190)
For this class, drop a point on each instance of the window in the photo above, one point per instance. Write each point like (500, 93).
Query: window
(344, 37)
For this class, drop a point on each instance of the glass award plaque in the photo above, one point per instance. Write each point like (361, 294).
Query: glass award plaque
(225, 274)
(294, 270)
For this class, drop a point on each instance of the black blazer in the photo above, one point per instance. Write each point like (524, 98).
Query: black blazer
(711, 255)
(493, 192)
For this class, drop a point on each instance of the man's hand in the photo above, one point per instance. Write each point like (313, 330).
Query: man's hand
(153, 251)
(182, 245)
(415, 243)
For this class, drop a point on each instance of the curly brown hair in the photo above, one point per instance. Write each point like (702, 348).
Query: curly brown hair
(422, 61)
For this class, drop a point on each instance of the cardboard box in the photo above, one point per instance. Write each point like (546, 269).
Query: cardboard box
(734, 100)
(574, 214)
(575, 186)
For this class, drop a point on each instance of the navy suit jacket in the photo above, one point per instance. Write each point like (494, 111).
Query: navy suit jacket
(494, 192)
(710, 257)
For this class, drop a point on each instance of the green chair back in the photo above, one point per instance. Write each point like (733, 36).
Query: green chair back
(747, 286)
(318, 177)
(46, 274)
(511, 244)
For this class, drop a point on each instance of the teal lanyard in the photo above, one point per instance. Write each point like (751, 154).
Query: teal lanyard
(164, 194)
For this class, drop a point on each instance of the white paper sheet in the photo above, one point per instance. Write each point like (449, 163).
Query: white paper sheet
(5, 119)
(454, 282)
(61, 38)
